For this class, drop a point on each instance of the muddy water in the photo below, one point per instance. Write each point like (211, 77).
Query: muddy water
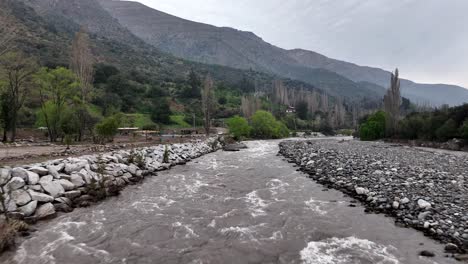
(243, 207)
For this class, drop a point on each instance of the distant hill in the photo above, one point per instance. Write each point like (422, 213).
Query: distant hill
(244, 50)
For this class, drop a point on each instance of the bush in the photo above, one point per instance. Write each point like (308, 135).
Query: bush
(373, 128)
(447, 131)
(464, 130)
(264, 125)
(238, 127)
(107, 129)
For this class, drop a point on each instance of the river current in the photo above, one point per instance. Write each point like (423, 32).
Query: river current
(226, 207)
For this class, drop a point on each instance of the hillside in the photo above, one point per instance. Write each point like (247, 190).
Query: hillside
(239, 49)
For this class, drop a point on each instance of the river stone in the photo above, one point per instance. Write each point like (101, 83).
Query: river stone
(47, 178)
(45, 211)
(33, 178)
(85, 176)
(39, 170)
(360, 190)
(5, 175)
(132, 169)
(54, 188)
(64, 200)
(15, 183)
(36, 188)
(72, 167)
(77, 180)
(53, 171)
(29, 208)
(40, 197)
(404, 201)
(451, 248)
(20, 173)
(21, 197)
(423, 204)
(395, 205)
(67, 186)
(71, 194)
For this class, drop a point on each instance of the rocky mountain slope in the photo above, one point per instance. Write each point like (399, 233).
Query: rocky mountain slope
(239, 49)
(46, 29)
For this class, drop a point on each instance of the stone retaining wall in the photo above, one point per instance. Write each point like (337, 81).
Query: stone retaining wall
(39, 191)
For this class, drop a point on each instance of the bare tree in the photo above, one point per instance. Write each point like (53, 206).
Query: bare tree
(392, 103)
(7, 37)
(249, 105)
(82, 66)
(17, 70)
(82, 63)
(208, 102)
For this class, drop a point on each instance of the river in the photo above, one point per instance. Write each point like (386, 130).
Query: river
(226, 207)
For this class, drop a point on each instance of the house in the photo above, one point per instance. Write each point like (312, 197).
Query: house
(291, 110)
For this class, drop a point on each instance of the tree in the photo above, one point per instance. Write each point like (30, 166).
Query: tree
(208, 102)
(56, 89)
(249, 105)
(161, 111)
(302, 109)
(107, 129)
(17, 70)
(8, 34)
(447, 131)
(195, 83)
(392, 103)
(464, 130)
(82, 66)
(238, 127)
(264, 126)
(374, 127)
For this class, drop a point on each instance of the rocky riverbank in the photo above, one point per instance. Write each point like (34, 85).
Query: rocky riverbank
(424, 190)
(38, 191)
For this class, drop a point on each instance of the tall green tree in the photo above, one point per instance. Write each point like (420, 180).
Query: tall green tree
(17, 70)
(195, 84)
(161, 111)
(57, 89)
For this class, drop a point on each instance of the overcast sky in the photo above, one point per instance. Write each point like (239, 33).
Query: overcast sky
(426, 39)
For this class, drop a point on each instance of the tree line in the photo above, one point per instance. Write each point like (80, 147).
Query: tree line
(437, 124)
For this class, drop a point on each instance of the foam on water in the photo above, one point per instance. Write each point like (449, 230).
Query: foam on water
(346, 250)
(315, 206)
(257, 204)
(187, 229)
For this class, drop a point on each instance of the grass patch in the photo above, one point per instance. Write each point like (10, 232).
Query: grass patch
(179, 122)
(8, 232)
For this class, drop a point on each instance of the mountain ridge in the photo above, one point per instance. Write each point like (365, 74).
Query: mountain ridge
(242, 49)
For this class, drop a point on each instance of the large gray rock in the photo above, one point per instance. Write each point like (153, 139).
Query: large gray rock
(71, 194)
(20, 173)
(53, 171)
(15, 183)
(45, 211)
(33, 178)
(67, 186)
(423, 204)
(5, 175)
(39, 170)
(40, 197)
(77, 180)
(75, 166)
(47, 178)
(29, 208)
(21, 197)
(54, 188)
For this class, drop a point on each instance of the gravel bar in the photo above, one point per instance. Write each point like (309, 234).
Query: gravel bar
(424, 190)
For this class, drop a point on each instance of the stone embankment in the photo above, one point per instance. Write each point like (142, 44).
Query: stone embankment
(39, 191)
(424, 190)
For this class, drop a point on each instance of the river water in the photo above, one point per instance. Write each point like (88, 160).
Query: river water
(226, 207)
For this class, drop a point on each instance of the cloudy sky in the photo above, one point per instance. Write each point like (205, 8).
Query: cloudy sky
(426, 39)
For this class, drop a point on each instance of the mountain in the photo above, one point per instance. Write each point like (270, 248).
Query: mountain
(234, 48)
(46, 29)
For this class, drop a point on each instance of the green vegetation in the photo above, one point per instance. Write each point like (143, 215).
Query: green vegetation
(239, 127)
(374, 127)
(107, 129)
(264, 126)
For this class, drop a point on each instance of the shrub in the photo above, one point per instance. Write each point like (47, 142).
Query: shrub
(8, 232)
(464, 130)
(374, 127)
(264, 125)
(107, 129)
(447, 131)
(166, 155)
(238, 127)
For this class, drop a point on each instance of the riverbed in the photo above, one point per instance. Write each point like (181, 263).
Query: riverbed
(226, 207)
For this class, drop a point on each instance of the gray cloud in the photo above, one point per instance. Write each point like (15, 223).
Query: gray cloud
(427, 40)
